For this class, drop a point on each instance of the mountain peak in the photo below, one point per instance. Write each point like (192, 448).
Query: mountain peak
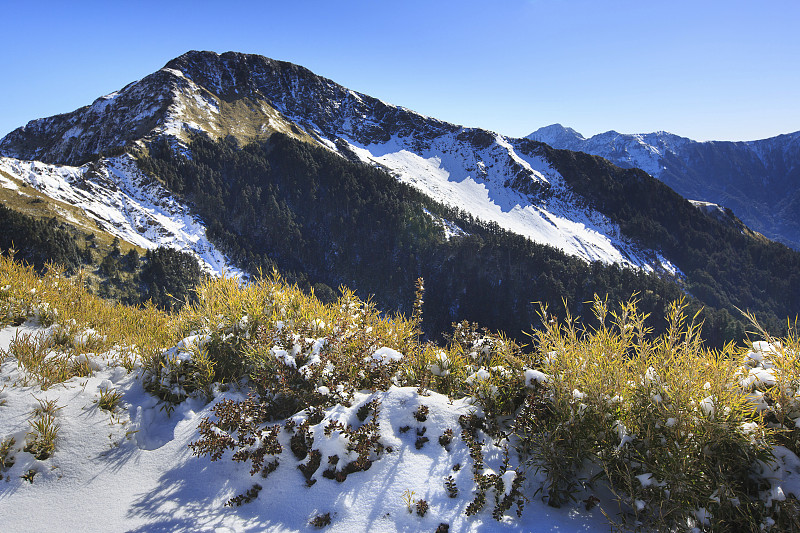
(556, 131)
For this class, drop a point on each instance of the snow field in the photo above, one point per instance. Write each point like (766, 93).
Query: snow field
(132, 470)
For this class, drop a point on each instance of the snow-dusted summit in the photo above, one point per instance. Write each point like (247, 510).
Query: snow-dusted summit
(494, 178)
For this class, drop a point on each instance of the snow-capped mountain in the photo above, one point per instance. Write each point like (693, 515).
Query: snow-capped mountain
(249, 97)
(758, 180)
(276, 167)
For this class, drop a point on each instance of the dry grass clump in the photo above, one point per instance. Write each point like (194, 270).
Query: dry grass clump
(41, 441)
(80, 324)
(663, 420)
(44, 364)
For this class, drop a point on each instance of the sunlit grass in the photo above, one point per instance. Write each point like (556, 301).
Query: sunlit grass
(672, 428)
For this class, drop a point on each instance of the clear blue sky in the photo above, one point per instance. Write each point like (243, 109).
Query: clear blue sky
(705, 69)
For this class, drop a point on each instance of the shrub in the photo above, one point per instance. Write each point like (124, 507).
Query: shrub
(665, 419)
(109, 399)
(41, 442)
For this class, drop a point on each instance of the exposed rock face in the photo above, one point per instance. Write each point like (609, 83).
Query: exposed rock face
(110, 122)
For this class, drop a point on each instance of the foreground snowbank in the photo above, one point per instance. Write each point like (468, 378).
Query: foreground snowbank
(132, 470)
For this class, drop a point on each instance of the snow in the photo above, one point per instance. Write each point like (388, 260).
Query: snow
(532, 375)
(642, 150)
(124, 203)
(131, 470)
(475, 180)
(645, 479)
(449, 228)
(385, 355)
(7, 183)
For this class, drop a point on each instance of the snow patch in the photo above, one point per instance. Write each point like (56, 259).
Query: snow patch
(125, 203)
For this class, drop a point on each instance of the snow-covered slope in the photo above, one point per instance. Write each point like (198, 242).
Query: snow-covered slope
(250, 97)
(123, 202)
(757, 179)
(477, 181)
(644, 151)
(132, 469)
(475, 170)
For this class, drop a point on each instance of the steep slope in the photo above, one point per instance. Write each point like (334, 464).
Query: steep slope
(251, 97)
(116, 198)
(758, 180)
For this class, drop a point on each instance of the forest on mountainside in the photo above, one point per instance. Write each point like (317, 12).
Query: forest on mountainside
(724, 267)
(164, 276)
(324, 221)
(37, 241)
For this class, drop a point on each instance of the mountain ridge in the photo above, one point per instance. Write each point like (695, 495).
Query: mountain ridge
(756, 179)
(250, 97)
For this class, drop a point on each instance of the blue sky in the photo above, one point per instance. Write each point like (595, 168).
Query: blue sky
(705, 69)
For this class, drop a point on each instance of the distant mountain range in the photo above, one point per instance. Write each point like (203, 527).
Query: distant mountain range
(251, 163)
(758, 180)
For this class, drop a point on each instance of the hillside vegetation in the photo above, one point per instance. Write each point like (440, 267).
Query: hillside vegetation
(725, 267)
(164, 276)
(677, 434)
(324, 221)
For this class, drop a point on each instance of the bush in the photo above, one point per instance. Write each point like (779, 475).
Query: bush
(665, 419)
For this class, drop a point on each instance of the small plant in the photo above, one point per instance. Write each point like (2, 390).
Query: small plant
(311, 466)
(421, 414)
(109, 399)
(270, 468)
(443, 528)
(247, 421)
(29, 475)
(446, 438)
(321, 520)
(6, 457)
(46, 407)
(476, 504)
(247, 497)
(363, 412)
(421, 439)
(301, 440)
(42, 440)
(422, 507)
(30, 350)
(408, 499)
(450, 487)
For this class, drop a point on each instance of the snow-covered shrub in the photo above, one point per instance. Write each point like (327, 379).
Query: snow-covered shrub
(771, 374)
(503, 487)
(487, 367)
(182, 371)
